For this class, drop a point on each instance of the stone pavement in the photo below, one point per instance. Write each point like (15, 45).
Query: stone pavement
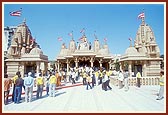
(77, 99)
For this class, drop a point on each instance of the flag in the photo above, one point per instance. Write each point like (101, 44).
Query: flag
(80, 39)
(59, 38)
(105, 39)
(141, 15)
(82, 31)
(130, 39)
(70, 34)
(16, 13)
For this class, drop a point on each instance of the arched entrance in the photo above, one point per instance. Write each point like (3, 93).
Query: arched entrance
(30, 67)
(83, 63)
(96, 64)
(137, 68)
(105, 65)
(63, 66)
(72, 64)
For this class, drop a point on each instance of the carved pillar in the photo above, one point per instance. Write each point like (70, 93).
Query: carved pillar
(67, 65)
(58, 65)
(120, 66)
(130, 68)
(21, 69)
(45, 67)
(76, 62)
(144, 69)
(91, 61)
(38, 67)
(100, 62)
(110, 64)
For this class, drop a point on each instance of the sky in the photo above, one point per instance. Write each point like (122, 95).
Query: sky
(117, 22)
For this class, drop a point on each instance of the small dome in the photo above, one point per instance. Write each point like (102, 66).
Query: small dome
(36, 50)
(131, 51)
(143, 50)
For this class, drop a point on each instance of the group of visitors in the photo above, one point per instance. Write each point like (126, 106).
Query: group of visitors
(90, 77)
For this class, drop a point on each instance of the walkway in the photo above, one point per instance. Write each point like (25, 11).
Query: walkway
(78, 99)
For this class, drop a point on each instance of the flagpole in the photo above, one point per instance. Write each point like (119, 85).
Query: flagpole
(72, 36)
(130, 39)
(95, 35)
(20, 17)
(143, 18)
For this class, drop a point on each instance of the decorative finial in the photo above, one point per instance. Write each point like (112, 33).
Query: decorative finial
(130, 39)
(24, 20)
(95, 35)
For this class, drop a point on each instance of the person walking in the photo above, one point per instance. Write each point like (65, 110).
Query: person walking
(88, 81)
(28, 83)
(120, 79)
(73, 76)
(18, 86)
(7, 85)
(161, 83)
(52, 82)
(13, 81)
(47, 86)
(40, 84)
(125, 74)
(93, 79)
(138, 76)
(100, 76)
(106, 80)
(84, 77)
(97, 77)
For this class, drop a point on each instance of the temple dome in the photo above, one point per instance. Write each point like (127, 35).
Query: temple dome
(36, 50)
(131, 51)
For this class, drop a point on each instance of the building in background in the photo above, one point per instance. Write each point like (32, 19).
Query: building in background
(144, 56)
(8, 34)
(24, 54)
(84, 54)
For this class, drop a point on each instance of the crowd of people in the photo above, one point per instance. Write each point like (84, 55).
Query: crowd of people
(91, 77)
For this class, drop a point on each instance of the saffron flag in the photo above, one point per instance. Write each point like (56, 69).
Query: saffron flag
(82, 31)
(105, 39)
(80, 39)
(16, 13)
(130, 39)
(59, 38)
(70, 34)
(141, 15)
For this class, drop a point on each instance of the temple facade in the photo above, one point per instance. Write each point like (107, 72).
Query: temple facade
(144, 56)
(84, 54)
(24, 54)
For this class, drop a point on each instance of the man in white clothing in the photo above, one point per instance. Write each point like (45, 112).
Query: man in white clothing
(28, 83)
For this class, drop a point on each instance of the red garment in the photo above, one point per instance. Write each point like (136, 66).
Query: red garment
(7, 83)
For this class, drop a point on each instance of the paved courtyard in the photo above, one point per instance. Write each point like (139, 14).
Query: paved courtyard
(79, 100)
